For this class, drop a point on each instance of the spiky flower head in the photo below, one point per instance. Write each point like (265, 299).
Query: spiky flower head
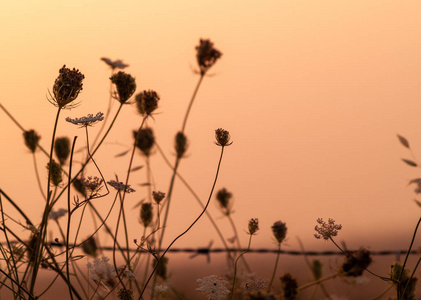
(66, 87)
(327, 229)
(55, 173)
(214, 287)
(147, 102)
(253, 226)
(145, 140)
(125, 84)
(116, 64)
(206, 55)
(356, 262)
(181, 144)
(31, 139)
(158, 196)
(90, 247)
(89, 120)
(223, 198)
(146, 214)
(289, 286)
(222, 137)
(279, 230)
(62, 149)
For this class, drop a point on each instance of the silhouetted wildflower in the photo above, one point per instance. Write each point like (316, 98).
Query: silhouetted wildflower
(223, 198)
(145, 140)
(147, 102)
(222, 137)
(326, 230)
(66, 87)
(279, 230)
(180, 144)
(31, 139)
(125, 84)
(89, 120)
(206, 55)
(62, 149)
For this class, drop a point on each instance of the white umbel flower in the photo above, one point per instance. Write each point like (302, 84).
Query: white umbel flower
(89, 120)
(214, 287)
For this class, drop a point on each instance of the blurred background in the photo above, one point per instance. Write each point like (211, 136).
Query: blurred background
(313, 94)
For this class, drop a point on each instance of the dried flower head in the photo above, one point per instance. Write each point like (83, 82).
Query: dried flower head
(289, 287)
(90, 247)
(146, 214)
(327, 229)
(102, 272)
(158, 196)
(253, 226)
(125, 84)
(279, 230)
(223, 198)
(79, 186)
(89, 120)
(214, 287)
(31, 139)
(147, 102)
(66, 87)
(125, 294)
(119, 186)
(206, 55)
(161, 271)
(56, 214)
(116, 64)
(92, 184)
(181, 144)
(222, 137)
(62, 149)
(55, 173)
(145, 140)
(356, 262)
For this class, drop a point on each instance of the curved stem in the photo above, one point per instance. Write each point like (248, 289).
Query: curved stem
(191, 102)
(194, 222)
(276, 266)
(235, 267)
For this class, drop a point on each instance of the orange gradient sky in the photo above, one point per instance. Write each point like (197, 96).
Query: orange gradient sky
(313, 93)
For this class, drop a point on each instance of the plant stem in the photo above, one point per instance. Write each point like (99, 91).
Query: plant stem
(276, 266)
(235, 267)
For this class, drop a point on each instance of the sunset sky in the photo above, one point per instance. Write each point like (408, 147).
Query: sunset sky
(313, 93)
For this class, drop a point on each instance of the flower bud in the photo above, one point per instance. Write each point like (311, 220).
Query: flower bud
(147, 102)
(158, 196)
(222, 137)
(180, 144)
(31, 139)
(253, 226)
(145, 140)
(125, 84)
(206, 55)
(62, 149)
(279, 230)
(146, 214)
(224, 200)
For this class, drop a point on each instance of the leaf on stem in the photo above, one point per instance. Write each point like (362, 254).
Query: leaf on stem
(122, 153)
(409, 162)
(136, 168)
(403, 141)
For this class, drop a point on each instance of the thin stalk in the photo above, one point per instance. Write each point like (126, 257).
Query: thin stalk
(122, 200)
(194, 222)
(318, 281)
(191, 102)
(43, 228)
(235, 267)
(17, 283)
(276, 266)
(37, 176)
(237, 238)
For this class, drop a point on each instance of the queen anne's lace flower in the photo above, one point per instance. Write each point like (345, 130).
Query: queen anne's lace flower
(116, 64)
(56, 214)
(102, 272)
(214, 287)
(89, 120)
(120, 186)
(327, 229)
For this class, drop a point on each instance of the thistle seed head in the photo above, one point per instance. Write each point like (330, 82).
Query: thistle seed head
(125, 84)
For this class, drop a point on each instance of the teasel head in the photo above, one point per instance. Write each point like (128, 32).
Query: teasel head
(181, 144)
(125, 85)
(146, 214)
(206, 55)
(55, 173)
(66, 88)
(90, 247)
(145, 140)
(279, 230)
(147, 102)
(222, 137)
(31, 139)
(62, 149)
(224, 201)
